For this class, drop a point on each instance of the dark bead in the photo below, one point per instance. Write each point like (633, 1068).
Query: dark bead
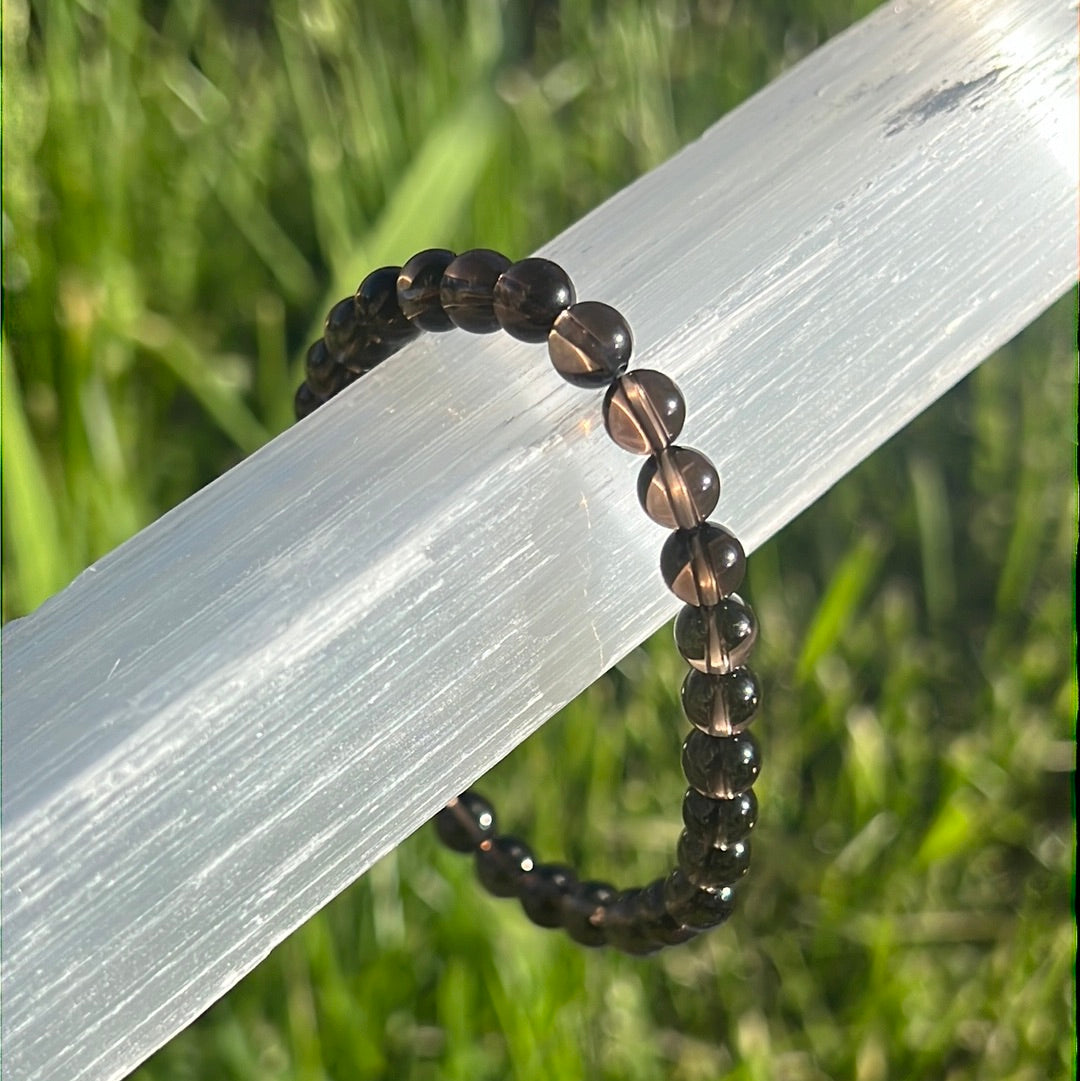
(678, 487)
(467, 291)
(708, 866)
(381, 318)
(543, 890)
(720, 821)
(342, 327)
(644, 411)
(367, 353)
(502, 863)
(695, 907)
(418, 289)
(721, 767)
(718, 638)
(590, 344)
(702, 565)
(583, 911)
(324, 373)
(529, 296)
(662, 927)
(722, 704)
(466, 821)
(305, 401)
(625, 927)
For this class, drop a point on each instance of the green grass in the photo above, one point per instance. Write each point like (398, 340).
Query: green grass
(188, 186)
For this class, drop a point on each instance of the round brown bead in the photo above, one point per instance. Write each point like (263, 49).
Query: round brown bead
(305, 401)
(702, 565)
(709, 866)
(529, 297)
(583, 910)
(502, 863)
(341, 328)
(543, 890)
(644, 411)
(694, 907)
(721, 704)
(590, 344)
(465, 822)
(322, 370)
(718, 638)
(721, 767)
(418, 286)
(381, 317)
(678, 488)
(625, 927)
(467, 291)
(720, 821)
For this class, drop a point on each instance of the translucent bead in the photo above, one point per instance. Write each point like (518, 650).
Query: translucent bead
(702, 565)
(720, 821)
(324, 374)
(529, 297)
(721, 767)
(679, 487)
(644, 411)
(418, 289)
(365, 354)
(625, 928)
(708, 866)
(341, 327)
(662, 927)
(590, 344)
(502, 863)
(465, 822)
(695, 907)
(305, 401)
(382, 320)
(583, 912)
(721, 705)
(717, 638)
(543, 890)
(467, 291)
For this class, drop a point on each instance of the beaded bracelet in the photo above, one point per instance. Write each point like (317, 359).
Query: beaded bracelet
(589, 344)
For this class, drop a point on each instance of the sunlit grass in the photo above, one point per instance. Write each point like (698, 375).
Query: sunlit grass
(185, 190)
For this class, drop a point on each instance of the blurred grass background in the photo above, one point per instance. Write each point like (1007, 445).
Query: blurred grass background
(186, 188)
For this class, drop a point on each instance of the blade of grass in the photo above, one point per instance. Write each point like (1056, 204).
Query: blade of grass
(31, 525)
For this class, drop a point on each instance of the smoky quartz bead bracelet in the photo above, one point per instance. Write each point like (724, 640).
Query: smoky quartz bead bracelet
(589, 344)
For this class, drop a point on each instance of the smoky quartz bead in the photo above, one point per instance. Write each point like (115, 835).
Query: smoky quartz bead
(502, 863)
(464, 823)
(543, 890)
(305, 401)
(710, 866)
(722, 704)
(720, 821)
(583, 911)
(660, 924)
(695, 907)
(529, 297)
(377, 307)
(678, 488)
(624, 927)
(702, 565)
(644, 411)
(418, 285)
(467, 291)
(721, 767)
(323, 373)
(590, 344)
(342, 327)
(717, 638)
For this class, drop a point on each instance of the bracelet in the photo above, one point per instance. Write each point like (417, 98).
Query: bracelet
(589, 344)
